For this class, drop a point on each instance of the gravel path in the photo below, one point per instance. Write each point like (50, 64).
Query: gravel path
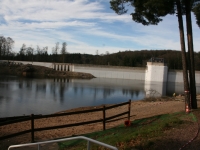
(139, 109)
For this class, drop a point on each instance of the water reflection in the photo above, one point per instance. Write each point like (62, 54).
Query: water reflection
(20, 96)
(155, 89)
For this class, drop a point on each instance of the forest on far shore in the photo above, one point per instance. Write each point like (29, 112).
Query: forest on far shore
(126, 58)
(129, 58)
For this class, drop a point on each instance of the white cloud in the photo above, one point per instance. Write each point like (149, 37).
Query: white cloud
(84, 24)
(147, 37)
(46, 25)
(88, 49)
(53, 10)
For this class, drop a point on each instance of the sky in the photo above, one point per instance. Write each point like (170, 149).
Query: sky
(87, 26)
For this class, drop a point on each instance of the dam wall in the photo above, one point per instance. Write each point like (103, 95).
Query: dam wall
(133, 73)
(157, 73)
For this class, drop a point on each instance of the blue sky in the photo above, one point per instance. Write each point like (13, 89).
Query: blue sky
(86, 26)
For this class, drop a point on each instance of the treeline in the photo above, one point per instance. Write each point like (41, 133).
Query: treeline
(126, 58)
(6, 45)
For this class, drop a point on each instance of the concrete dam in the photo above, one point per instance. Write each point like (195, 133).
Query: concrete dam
(156, 76)
(155, 71)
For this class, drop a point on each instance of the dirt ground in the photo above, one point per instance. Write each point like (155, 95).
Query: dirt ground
(39, 71)
(139, 109)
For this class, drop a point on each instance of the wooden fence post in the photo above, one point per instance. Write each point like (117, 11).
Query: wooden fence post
(104, 117)
(32, 128)
(129, 109)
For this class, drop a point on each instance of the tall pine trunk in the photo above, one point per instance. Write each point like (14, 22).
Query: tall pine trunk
(183, 54)
(191, 54)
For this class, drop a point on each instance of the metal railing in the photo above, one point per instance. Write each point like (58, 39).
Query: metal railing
(65, 139)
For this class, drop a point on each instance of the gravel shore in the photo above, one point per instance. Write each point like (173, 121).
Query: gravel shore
(139, 109)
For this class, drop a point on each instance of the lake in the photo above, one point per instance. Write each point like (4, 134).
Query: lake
(25, 96)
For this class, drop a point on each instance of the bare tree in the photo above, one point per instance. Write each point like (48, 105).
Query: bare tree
(45, 50)
(63, 51)
(2, 45)
(55, 51)
(39, 50)
(29, 52)
(22, 51)
(97, 52)
(6, 45)
(10, 43)
(57, 48)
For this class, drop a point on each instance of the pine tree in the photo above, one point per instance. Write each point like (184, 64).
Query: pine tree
(149, 12)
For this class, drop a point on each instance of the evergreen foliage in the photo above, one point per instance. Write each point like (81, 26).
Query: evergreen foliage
(127, 58)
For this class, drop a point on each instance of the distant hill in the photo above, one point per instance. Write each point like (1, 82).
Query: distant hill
(126, 58)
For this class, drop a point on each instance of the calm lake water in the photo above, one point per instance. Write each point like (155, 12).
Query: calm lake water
(24, 96)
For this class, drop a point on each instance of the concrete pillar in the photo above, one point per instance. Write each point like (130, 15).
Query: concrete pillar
(156, 78)
(156, 71)
(64, 67)
(72, 67)
(61, 67)
(55, 66)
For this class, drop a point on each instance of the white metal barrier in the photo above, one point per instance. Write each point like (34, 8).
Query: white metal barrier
(66, 139)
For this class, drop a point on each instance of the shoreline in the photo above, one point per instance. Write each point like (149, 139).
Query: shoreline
(40, 72)
(139, 110)
(145, 100)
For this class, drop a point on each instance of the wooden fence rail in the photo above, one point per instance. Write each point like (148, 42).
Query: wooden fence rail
(15, 121)
(33, 117)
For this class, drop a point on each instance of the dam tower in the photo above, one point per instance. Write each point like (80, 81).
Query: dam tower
(156, 70)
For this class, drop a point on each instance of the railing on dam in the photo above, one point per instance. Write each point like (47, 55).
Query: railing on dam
(63, 66)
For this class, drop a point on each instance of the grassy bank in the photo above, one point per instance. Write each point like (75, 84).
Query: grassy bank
(141, 134)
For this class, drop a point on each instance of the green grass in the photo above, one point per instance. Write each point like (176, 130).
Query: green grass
(139, 135)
